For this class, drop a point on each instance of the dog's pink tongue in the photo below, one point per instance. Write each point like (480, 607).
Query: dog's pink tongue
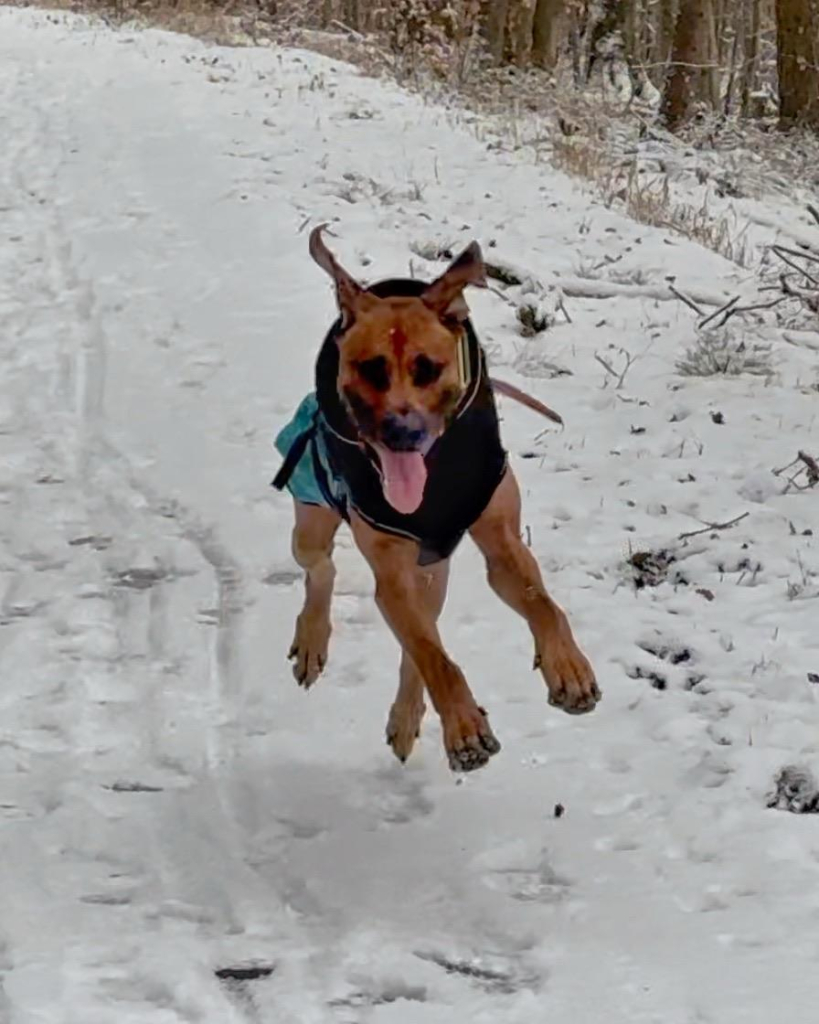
(405, 477)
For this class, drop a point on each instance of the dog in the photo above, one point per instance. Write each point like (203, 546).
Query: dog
(401, 439)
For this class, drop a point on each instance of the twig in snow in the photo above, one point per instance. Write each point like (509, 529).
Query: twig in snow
(783, 469)
(813, 212)
(714, 526)
(562, 307)
(729, 305)
(810, 298)
(809, 468)
(805, 254)
(812, 464)
(730, 310)
(684, 298)
(758, 305)
(607, 261)
(619, 377)
(784, 254)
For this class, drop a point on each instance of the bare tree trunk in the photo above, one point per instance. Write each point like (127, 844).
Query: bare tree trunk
(496, 29)
(690, 82)
(659, 36)
(546, 31)
(579, 16)
(715, 57)
(733, 61)
(351, 12)
(631, 23)
(520, 26)
(751, 53)
(797, 39)
(668, 22)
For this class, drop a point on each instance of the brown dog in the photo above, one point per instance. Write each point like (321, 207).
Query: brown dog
(404, 440)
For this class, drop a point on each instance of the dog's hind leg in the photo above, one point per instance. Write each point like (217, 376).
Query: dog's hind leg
(313, 535)
(515, 577)
(407, 711)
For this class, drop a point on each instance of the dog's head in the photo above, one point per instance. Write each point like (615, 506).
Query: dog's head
(399, 366)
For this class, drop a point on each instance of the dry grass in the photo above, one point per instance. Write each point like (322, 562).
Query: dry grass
(648, 197)
(726, 352)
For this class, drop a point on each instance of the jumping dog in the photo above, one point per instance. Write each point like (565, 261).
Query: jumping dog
(401, 439)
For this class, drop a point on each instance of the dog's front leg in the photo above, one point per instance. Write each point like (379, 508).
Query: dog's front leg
(313, 550)
(515, 577)
(407, 711)
(468, 739)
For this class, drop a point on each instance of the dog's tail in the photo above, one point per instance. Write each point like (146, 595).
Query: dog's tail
(510, 391)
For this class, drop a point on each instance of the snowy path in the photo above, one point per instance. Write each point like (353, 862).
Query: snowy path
(171, 805)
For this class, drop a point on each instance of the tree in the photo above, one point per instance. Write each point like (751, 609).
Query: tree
(521, 20)
(797, 39)
(546, 32)
(751, 15)
(690, 81)
(496, 29)
(666, 21)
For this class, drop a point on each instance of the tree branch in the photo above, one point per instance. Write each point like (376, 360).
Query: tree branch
(714, 526)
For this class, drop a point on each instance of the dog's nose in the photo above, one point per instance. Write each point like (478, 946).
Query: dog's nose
(403, 432)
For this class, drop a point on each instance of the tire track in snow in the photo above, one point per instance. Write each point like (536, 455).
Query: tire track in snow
(118, 501)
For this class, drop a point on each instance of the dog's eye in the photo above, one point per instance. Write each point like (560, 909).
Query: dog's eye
(375, 372)
(425, 371)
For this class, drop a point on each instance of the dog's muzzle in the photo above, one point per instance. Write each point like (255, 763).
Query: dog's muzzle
(403, 432)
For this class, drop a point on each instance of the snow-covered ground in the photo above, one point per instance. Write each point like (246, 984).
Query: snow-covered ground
(172, 806)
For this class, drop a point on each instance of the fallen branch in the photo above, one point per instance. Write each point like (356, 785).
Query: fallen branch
(807, 239)
(809, 468)
(504, 273)
(684, 298)
(784, 254)
(795, 291)
(813, 212)
(586, 288)
(714, 526)
(512, 275)
(813, 257)
(712, 316)
(347, 31)
(731, 309)
(812, 464)
(759, 305)
(802, 339)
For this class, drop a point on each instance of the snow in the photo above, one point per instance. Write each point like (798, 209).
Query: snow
(172, 805)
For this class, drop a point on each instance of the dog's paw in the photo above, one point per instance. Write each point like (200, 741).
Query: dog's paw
(468, 739)
(404, 728)
(308, 651)
(570, 678)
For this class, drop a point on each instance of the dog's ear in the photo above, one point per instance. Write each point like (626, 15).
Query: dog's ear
(349, 293)
(445, 295)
